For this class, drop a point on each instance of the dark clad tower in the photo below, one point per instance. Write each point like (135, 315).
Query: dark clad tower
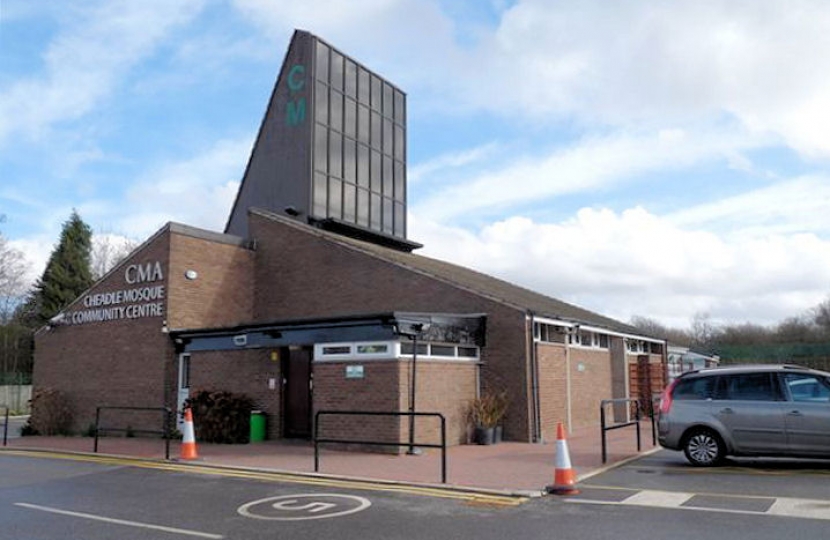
(331, 150)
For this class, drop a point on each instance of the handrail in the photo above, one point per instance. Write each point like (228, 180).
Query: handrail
(165, 431)
(604, 428)
(442, 446)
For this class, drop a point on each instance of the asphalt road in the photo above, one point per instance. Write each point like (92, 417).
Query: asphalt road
(46, 498)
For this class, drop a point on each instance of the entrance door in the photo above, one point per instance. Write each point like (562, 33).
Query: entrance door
(298, 380)
(184, 387)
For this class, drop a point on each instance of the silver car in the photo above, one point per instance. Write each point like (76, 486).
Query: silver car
(769, 410)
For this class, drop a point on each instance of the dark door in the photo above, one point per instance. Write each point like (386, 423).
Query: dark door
(297, 373)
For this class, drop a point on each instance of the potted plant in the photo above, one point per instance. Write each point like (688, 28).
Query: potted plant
(486, 414)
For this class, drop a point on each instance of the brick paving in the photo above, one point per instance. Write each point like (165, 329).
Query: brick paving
(507, 466)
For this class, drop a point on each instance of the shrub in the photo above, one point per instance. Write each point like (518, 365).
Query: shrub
(488, 410)
(51, 413)
(221, 417)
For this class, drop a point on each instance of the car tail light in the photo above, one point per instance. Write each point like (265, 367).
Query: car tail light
(665, 397)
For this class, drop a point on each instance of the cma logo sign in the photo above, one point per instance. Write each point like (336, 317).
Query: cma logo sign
(143, 273)
(296, 106)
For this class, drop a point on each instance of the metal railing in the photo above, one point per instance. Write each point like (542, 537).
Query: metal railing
(6, 427)
(164, 432)
(442, 446)
(618, 425)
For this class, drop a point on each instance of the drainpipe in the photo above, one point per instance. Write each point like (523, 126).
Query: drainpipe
(568, 408)
(535, 401)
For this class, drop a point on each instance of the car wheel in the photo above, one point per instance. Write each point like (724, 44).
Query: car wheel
(704, 448)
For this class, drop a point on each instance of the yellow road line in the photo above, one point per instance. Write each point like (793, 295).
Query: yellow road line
(448, 493)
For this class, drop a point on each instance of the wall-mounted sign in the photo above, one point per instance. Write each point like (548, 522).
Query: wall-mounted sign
(354, 372)
(145, 300)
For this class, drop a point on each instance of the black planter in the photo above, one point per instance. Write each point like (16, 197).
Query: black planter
(484, 435)
(497, 434)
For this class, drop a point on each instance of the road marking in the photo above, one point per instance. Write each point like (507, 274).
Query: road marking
(293, 508)
(287, 477)
(120, 521)
(803, 508)
(781, 506)
(665, 499)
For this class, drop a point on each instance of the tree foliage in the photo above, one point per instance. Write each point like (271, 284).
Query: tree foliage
(67, 272)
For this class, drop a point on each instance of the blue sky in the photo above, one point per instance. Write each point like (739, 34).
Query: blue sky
(662, 159)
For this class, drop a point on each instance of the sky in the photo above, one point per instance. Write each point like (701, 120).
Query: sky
(668, 160)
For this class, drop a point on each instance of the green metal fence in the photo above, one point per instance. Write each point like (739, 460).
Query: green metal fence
(814, 355)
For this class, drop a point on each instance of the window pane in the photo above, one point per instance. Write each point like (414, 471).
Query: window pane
(321, 111)
(351, 79)
(363, 86)
(468, 352)
(362, 165)
(376, 93)
(349, 160)
(321, 148)
(363, 124)
(388, 179)
(808, 388)
(388, 106)
(388, 223)
(375, 210)
(336, 109)
(442, 350)
(750, 387)
(375, 173)
(350, 118)
(400, 220)
(349, 199)
(407, 348)
(400, 191)
(372, 349)
(322, 62)
(335, 198)
(399, 143)
(694, 389)
(362, 207)
(376, 138)
(400, 108)
(320, 194)
(335, 154)
(387, 137)
(336, 70)
(339, 349)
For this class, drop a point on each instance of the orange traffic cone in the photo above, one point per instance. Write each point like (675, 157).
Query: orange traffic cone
(189, 437)
(564, 477)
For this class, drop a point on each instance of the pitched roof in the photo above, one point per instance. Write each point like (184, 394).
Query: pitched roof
(481, 284)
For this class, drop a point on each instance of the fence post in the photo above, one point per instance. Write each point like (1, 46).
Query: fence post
(602, 429)
(6, 428)
(443, 450)
(97, 423)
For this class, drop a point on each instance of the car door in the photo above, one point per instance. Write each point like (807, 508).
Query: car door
(751, 407)
(807, 414)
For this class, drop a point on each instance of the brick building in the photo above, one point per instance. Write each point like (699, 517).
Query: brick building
(312, 299)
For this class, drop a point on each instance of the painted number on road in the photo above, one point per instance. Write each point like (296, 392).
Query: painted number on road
(305, 506)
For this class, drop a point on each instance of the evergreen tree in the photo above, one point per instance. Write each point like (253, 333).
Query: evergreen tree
(67, 273)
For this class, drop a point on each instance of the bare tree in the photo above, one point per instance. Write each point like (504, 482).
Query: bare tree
(13, 268)
(821, 318)
(107, 251)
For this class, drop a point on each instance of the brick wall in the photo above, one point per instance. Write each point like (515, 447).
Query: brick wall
(589, 386)
(221, 295)
(300, 274)
(443, 387)
(242, 372)
(116, 362)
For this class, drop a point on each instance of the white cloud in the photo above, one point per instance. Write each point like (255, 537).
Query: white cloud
(98, 42)
(800, 205)
(590, 165)
(198, 191)
(637, 263)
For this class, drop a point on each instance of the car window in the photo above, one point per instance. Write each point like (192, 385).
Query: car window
(805, 387)
(748, 387)
(698, 388)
